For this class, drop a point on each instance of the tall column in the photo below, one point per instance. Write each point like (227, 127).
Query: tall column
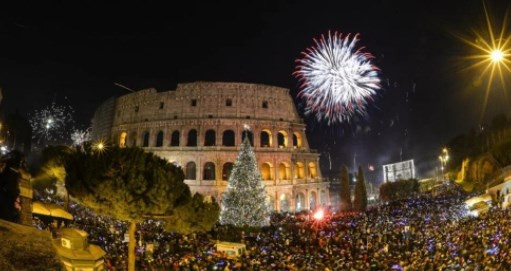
(293, 201)
(328, 203)
(307, 204)
(277, 201)
(183, 135)
(219, 136)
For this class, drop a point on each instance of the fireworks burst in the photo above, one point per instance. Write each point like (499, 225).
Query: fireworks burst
(80, 136)
(337, 79)
(52, 123)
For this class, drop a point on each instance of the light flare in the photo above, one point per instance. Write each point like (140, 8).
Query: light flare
(494, 55)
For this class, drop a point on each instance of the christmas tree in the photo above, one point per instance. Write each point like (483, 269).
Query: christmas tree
(244, 201)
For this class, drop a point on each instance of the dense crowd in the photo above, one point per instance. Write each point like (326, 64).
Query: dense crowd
(422, 233)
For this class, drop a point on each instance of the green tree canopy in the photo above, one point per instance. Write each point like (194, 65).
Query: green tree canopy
(345, 204)
(360, 201)
(132, 185)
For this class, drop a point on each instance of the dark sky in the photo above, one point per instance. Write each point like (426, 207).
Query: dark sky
(74, 53)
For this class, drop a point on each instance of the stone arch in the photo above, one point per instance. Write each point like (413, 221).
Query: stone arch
(159, 139)
(122, 139)
(312, 200)
(300, 202)
(145, 142)
(282, 139)
(174, 139)
(267, 171)
(226, 170)
(228, 138)
(284, 203)
(210, 138)
(209, 171)
(313, 172)
(323, 198)
(299, 171)
(132, 139)
(284, 171)
(191, 171)
(270, 202)
(266, 138)
(250, 136)
(192, 138)
(297, 140)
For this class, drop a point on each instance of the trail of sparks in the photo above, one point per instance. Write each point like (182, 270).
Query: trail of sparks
(52, 124)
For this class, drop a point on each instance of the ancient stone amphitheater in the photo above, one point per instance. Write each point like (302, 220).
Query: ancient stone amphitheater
(200, 126)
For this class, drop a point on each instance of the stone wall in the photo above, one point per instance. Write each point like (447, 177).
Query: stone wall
(200, 126)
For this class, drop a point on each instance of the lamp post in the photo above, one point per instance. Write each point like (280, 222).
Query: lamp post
(444, 157)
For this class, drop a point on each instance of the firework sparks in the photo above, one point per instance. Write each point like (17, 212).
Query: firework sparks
(80, 136)
(52, 123)
(337, 79)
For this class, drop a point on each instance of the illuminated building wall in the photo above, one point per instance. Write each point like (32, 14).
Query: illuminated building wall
(199, 126)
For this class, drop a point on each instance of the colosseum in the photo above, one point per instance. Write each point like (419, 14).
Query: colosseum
(200, 126)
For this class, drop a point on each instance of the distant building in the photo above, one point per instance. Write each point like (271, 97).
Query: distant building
(200, 126)
(501, 194)
(103, 120)
(399, 171)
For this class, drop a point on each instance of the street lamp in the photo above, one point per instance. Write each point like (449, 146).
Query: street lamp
(444, 157)
(99, 146)
(497, 55)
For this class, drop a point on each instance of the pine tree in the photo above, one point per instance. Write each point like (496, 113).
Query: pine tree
(244, 201)
(132, 185)
(360, 202)
(345, 202)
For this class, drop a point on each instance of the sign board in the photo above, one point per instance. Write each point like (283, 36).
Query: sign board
(399, 171)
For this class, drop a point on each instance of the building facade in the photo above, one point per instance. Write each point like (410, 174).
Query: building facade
(200, 127)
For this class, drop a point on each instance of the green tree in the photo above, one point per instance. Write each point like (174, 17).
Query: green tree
(244, 202)
(51, 170)
(360, 202)
(345, 203)
(131, 185)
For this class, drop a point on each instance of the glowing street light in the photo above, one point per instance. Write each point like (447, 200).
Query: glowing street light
(444, 157)
(497, 55)
(100, 146)
(493, 55)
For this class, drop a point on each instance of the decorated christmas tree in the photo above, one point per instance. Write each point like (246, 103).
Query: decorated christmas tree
(244, 201)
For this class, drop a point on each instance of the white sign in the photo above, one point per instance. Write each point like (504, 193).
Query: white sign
(399, 171)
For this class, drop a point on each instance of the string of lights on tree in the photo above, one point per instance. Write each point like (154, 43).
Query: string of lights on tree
(244, 201)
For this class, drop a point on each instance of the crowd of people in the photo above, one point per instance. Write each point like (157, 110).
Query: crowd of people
(421, 233)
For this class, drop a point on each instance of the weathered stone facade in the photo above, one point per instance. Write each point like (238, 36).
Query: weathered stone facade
(200, 127)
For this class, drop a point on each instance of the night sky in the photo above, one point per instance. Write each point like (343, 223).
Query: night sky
(74, 54)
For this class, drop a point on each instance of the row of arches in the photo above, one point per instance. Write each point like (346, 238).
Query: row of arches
(301, 202)
(210, 139)
(284, 171)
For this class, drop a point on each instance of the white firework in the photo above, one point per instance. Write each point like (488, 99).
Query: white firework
(52, 124)
(337, 79)
(78, 137)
